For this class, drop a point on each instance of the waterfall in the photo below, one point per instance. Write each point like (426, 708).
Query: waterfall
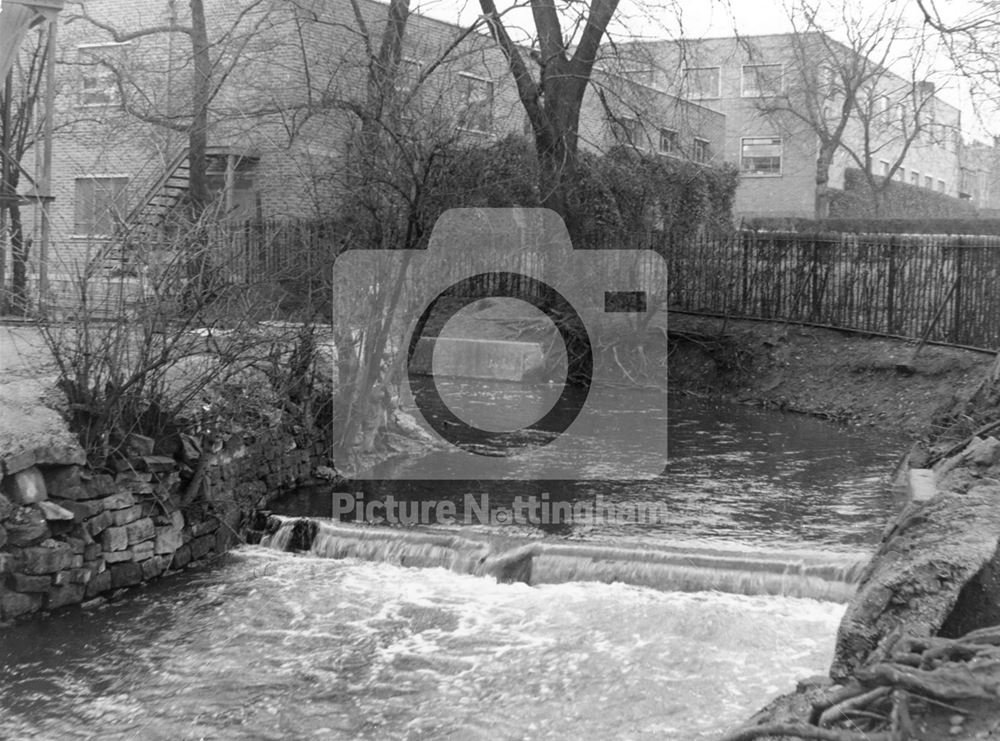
(669, 567)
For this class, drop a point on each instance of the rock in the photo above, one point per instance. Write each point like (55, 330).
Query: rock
(67, 594)
(81, 510)
(53, 511)
(125, 574)
(168, 540)
(921, 484)
(29, 583)
(119, 500)
(114, 539)
(101, 485)
(19, 461)
(99, 582)
(915, 578)
(81, 575)
(60, 478)
(986, 453)
(79, 493)
(117, 556)
(49, 557)
(140, 530)
(26, 526)
(190, 448)
(142, 551)
(200, 547)
(127, 515)
(139, 445)
(60, 455)
(99, 523)
(153, 567)
(182, 557)
(14, 604)
(208, 525)
(26, 487)
(158, 463)
(6, 507)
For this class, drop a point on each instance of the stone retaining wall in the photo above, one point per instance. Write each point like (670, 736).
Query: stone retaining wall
(69, 534)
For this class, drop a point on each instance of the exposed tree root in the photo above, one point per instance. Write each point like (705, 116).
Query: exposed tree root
(876, 705)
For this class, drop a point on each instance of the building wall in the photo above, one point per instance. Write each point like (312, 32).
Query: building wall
(792, 193)
(293, 76)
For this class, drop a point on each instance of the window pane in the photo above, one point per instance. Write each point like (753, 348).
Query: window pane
(98, 205)
(760, 80)
(702, 82)
(668, 141)
(761, 156)
(476, 104)
(700, 151)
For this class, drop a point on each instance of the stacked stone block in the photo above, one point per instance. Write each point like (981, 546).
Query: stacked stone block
(69, 534)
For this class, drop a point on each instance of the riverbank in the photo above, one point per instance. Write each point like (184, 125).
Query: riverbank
(916, 656)
(845, 377)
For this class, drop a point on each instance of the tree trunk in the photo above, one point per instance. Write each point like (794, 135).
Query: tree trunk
(19, 249)
(823, 162)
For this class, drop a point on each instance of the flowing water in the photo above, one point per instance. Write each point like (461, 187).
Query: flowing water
(367, 636)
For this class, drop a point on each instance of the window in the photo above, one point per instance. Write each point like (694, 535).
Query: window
(701, 82)
(700, 151)
(668, 141)
(884, 105)
(628, 131)
(915, 178)
(475, 103)
(98, 201)
(901, 174)
(941, 186)
(762, 80)
(885, 168)
(929, 182)
(98, 85)
(760, 156)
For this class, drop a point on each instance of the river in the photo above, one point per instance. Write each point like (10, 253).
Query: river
(274, 645)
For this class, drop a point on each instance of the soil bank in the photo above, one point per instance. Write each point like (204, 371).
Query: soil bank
(841, 376)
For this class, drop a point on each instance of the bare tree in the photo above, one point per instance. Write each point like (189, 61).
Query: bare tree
(846, 96)
(19, 100)
(553, 98)
(971, 36)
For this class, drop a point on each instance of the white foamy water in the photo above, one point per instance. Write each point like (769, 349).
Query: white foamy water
(281, 646)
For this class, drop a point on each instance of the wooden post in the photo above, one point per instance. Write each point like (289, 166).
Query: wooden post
(957, 306)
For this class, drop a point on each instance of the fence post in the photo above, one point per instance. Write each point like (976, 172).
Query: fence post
(890, 299)
(957, 306)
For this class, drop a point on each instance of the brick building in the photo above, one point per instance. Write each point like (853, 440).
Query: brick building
(288, 80)
(777, 150)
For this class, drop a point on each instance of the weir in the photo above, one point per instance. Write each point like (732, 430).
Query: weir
(670, 567)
